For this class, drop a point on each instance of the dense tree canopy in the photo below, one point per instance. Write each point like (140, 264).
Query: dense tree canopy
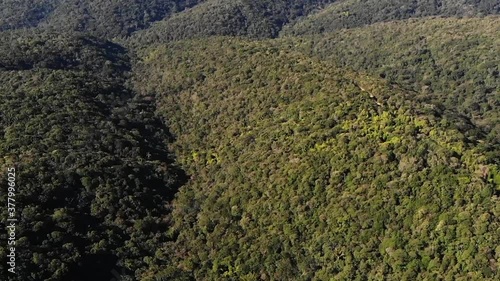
(101, 18)
(355, 13)
(253, 18)
(252, 140)
(300, 170)
(448, 61)
(95, 179)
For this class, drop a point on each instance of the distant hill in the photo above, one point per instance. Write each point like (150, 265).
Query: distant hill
(34, 49)
(453, 62)
(256, 19)
(94, 177)
(355, 13)
(184, 19)
(16, 14)
(100, 18)
(252, 140)
(110, 19)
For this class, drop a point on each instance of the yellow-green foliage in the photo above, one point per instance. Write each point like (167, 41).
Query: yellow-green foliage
(453, 63)
(313, 180)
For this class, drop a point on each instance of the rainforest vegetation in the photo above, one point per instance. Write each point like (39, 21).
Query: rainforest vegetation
(251, 140)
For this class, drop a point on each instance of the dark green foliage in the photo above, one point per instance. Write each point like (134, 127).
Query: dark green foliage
(266, 19)
(362, 154)
(181, 19)
(16, 14)
(34, 49)
(94, 177)
(256, 19)
(355, 13)
(101, 18)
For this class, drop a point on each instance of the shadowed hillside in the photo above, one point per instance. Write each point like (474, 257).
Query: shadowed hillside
(101, 18)
(355, 13)
(94, 176)
(251, 140)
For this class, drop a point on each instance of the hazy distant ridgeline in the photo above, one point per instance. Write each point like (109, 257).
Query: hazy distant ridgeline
(91, 155)
(181, 19)
(453, 62)
(100, 18)
(355, 13)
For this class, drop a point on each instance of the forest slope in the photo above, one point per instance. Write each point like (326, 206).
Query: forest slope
(94, 177)
(369, 153)
(452, 62)
(256, 19)
(300, 170)
(266, 19)
(181, 19)
(106, 19)
(355, 13)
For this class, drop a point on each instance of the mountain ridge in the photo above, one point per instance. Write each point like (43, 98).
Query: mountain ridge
(267, 159)
(252, 140)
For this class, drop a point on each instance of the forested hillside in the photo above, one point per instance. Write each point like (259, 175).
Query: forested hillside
(454, 62)
(95, 178)
(182, 19)
(252, 18)
(109, 19)
(302, 171)
(355, 13)
(102, 18)
(24, 13)
(251, 140)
